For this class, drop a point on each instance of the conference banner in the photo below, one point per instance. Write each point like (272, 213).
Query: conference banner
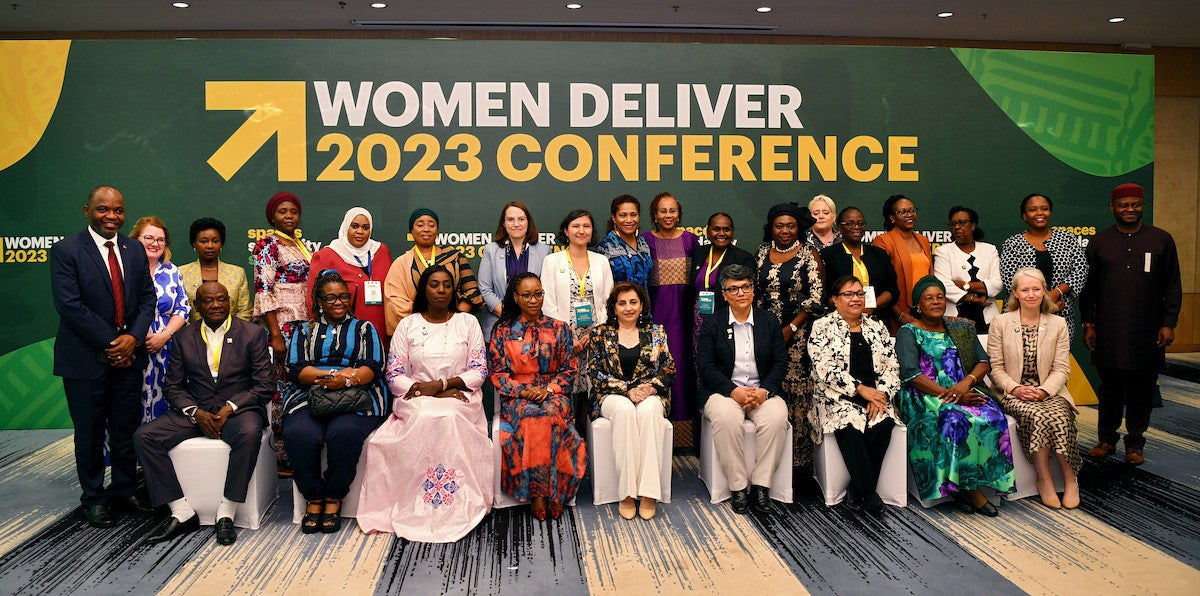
(194, 128)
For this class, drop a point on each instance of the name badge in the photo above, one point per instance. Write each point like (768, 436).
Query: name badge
(869, 299)
(1146, 266)
(583, 314)
(706, 301)
(373, 293)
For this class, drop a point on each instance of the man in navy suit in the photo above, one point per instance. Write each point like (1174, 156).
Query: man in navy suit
(742, 360)
(100, 281)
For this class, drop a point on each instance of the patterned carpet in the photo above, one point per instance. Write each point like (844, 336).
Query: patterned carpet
(1137, 532)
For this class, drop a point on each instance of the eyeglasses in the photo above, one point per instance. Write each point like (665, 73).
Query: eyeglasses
(739, 290)
(849, 295)
(959, 223)
(853, 224)
(331, 298)
(154, 240)
(912, 211)
(531, 297)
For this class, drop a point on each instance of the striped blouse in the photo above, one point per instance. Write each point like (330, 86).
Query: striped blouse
(334, 346)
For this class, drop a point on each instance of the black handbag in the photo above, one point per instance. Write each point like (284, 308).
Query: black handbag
(327, 403)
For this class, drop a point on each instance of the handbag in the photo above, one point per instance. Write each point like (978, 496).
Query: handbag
(327, 403)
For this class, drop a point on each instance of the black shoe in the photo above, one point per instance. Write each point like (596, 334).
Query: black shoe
(760, 500)
(173, 528)
(226, 534)
(133, 504)
(740, 501)
(98, 516)
(874, 505)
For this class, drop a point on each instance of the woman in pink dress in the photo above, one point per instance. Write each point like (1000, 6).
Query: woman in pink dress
(428, 474)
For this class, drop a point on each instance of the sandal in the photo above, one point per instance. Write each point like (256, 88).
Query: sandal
(538, 505)
(556, 509)
(310, 523)
(331, 521)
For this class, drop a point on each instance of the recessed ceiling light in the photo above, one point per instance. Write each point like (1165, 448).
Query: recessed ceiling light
(574, 6)
(945, 15)
(179, 4)
(1117, 20)
(763, 9)
(378, 5)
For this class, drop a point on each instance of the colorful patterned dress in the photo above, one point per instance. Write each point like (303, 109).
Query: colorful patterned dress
(950, 447)
(543, 454)
(172, 301)
(627, 263)
(784, 289)
(671, 305)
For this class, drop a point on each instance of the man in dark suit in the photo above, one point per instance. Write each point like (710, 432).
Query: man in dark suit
(101, 285)
(742, 360)
(218, 383)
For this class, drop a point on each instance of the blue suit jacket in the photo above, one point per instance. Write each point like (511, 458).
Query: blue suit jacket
(715, 354)
(83, 296)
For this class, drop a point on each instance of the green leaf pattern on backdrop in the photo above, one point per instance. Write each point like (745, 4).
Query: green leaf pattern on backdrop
(32, 396)
(1092, 114)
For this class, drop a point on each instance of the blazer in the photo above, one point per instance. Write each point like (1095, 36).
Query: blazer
(493, 277)
(879, 269)
(231, 276)
(733, 256)
(1007, 352)
(82, 291)
(833, 385)
(244, 376)
(715, 355)
(654, 365)
(556, 282)
(950, 263)
(893, 244)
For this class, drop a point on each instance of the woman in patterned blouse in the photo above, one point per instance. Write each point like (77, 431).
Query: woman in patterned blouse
(170, 312)
(1056, 253)
(671, 296)
(627, 252)
(400, 287)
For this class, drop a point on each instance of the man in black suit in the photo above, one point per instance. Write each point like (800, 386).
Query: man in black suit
(218, 383)
(741, 359)
(101, 285)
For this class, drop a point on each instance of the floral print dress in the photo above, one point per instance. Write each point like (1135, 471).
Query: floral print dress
(172, 300)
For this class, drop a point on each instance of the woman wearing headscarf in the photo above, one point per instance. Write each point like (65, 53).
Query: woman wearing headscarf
(362, 261)
(400, 287)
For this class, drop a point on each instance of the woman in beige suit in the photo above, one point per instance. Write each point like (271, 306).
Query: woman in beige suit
(1031, 360)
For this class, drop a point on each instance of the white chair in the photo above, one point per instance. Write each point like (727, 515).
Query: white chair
(714, 478)
(1023, 470)
(201, 464)
(501, 499)
(829, 468)
(349, 503)
(603, 464)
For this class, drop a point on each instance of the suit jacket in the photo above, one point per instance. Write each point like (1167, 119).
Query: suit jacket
(493, 277)
(556, 282)
(895, 247)
(1007, 351)
(244, 376)
(715, 354)
(654, 365)
(879, 269)
(733, 256)
(82, 290)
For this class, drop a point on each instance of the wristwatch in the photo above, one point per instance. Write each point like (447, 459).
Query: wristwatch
(190, 412)
(795, 329)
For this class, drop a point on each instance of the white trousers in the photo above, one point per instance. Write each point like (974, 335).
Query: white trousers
(771, 427)
(637, 440)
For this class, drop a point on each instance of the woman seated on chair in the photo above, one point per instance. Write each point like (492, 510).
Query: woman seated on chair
(436, 366)
(334, 398)
(1032, 354)
(958, 438)
(532, 362)
(631, 375)
(855, 377)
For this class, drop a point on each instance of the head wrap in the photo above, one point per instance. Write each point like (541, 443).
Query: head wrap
(804, 218)
(412, 219)
(273, 204)
(1127, 190)
(924, 284)
(355, 257)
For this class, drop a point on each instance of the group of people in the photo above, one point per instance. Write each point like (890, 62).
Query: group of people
(347, 354)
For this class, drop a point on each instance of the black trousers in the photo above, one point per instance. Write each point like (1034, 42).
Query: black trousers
(863, 454)
(242, 432)
(1127, 394)
(112, 404)
(341, 437)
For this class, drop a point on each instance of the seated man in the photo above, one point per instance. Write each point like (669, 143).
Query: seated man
(218, 383)
(741, 360)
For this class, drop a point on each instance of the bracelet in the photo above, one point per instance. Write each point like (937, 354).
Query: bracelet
(444, 384)
(347, 381)
(974, 379)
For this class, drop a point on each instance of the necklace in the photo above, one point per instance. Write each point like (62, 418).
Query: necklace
(787, 249)
(203, 268)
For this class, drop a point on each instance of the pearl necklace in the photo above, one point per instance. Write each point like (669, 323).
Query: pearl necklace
(790, 248)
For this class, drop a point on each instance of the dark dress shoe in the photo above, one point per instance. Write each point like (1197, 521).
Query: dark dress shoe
(874, 505)
(1134, 457)
(760, 500)
(173, 528)
(98, 516)
(226, 534)
(740, 500)
(133, 504)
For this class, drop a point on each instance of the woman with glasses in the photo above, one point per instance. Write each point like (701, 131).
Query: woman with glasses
(856, 377)
(970, 269)
(1056, 253)
(207, 237)
(333, 353)
(170, 312)
(532, 362)
(870, 265)
(363, 263)
(909, 250)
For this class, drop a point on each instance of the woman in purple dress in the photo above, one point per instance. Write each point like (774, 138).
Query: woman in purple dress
(671, 296)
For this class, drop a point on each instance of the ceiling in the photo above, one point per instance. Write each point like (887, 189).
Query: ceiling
(1148, 22)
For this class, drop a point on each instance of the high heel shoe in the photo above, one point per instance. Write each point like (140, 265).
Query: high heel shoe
(331, 521)
(1048, 496)
(627, 508)
(538, 506)
(647, 509)
(1070, 498)
(556, 510)
(311, 522)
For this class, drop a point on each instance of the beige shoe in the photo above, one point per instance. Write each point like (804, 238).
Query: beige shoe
(647, 508)
(627, 508)
(1070, 498)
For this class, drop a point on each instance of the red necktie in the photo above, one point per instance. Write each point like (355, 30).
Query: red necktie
(118, 285)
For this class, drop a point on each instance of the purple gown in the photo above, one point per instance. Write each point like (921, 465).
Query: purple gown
(671, 306)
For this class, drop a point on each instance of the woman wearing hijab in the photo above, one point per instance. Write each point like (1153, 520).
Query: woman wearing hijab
(362, 261)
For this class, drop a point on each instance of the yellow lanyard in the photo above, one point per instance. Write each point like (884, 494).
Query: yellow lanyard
(711, 266)
(299, 244)
(860, 268)
(582, 278)
(432, 256)
(216, 359)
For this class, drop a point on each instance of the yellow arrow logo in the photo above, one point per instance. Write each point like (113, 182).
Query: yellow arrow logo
(278, 110)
